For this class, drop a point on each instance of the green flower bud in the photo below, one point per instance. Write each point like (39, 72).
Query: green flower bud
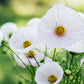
(67, 72)
(42, 61)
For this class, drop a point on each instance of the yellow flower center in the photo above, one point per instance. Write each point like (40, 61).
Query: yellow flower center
(60, 30)
(30, 53)
(52, 78)
(26, 44)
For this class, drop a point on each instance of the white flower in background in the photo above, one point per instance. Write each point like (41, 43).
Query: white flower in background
(33, 22)
(32, 26)
(82, 61)
(29, 55)
(61, 27)
(77, 47)
(8, 29)
(22, 40)
(49, 73)
(1, 36)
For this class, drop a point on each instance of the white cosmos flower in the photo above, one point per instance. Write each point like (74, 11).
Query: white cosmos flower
(33, 22)
(49, 73)
(77, 47)
(24, 58)
(61, 27)
(22, 40)
(8, 29)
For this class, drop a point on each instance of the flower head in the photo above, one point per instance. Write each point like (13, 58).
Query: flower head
(8, 29)
(49, 73)
(22, 40)
(61, 27)
(29, 55)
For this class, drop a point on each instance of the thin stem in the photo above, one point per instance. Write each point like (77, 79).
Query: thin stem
(19, 58)
(54, 54)
(71, 61)
(45, 51)
(67, 59)
(67, 79)
(76, 74)
(30, 63)
(34, 58)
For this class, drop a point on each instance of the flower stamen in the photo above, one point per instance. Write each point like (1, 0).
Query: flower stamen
(52, 78)
(30, 53)
(26, 44)
(60, 30)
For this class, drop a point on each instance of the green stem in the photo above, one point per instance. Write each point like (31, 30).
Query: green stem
(34, 58)
(54, 54)
(71, 62)
(67, 59)
(45, 51)
(19, 58)
(67, 79)
(30, 63)
(16, 68)
(76, 74)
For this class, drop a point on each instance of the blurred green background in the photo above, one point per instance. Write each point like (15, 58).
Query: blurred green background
(20, 12)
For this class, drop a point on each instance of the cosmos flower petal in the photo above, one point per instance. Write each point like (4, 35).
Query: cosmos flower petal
(33, 22)
(77, 47)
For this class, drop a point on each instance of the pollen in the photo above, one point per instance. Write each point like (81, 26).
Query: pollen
(30, 53)
(60, 30)
(52, 78)
(26, 44)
